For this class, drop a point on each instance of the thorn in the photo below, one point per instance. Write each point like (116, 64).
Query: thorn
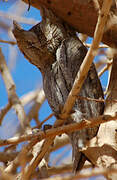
(28, 5)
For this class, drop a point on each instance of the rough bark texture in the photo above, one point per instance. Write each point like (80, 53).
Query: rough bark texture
(55, 49)
(82, 15)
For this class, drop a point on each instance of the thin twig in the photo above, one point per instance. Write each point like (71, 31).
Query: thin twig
(100, 46)
(97, 100)
(41, 123)
(100, 63)
(105, 68)
(8, 42)
(91, 99)
(59, 130)
(4, 111)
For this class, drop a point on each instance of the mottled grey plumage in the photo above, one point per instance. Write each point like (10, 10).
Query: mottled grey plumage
(55, 49)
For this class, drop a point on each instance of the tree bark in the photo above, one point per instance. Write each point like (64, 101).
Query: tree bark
(82, 15)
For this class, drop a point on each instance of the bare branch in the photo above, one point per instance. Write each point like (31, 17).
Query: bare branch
(10, 86)
(4, 111)
(105, 68)
(59, 130)
(27, 98)
(41, 123)
(33, 113)
(30, 96)
(22, 154)
(38, 158)
(100, 46)
(8, 42)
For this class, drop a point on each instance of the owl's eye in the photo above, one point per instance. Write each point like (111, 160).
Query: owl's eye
(31, 43)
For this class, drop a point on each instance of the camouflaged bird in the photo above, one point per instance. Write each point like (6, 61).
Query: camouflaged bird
(55, 49)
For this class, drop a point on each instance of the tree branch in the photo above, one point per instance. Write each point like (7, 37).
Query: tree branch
(77, 13)
(11, 90)
(59, 130)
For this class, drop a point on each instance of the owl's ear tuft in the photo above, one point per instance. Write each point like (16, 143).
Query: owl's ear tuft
(16, 29)
(16, 25)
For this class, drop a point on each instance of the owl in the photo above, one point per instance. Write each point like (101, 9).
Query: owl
(54, 47)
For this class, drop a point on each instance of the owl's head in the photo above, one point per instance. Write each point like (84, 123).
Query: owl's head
(33, 45)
